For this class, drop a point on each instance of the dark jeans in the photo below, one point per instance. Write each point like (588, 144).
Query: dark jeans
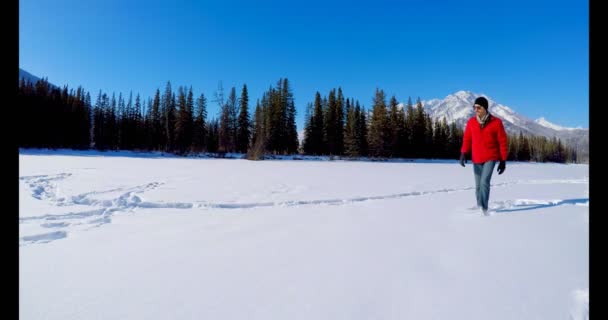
(483, 174)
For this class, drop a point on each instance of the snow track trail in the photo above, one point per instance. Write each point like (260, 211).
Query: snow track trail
(128, 199)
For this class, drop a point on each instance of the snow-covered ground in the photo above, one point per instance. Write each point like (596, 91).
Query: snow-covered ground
(151, 237)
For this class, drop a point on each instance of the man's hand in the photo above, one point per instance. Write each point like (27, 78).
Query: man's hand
(463, 160)
(501, 167)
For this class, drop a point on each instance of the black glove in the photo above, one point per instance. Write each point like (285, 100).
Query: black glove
(501, 167)
(463, 160)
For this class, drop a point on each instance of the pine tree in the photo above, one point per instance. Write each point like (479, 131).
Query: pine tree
(513, 148)
(233, 113)
(244, 132)
(266, 120)
(62, 140)
(317, 127)
(378, 140)
(120, 123)
(419, 131)
(524, 149)
(428, 136)
(291, 133)
(351, 145)
(89, 120)
(212, 138)
(72, 109)
(410, 124)
(171, 122)
(131, 124)
(306, 144)
(560, 154)
(339, 126)
(258, 147)
(138, 125)
(228, 122)
(279, 114)
(131, 129)
(98, 122)
(156, 126)
(455, 140)
(440, 138)
(331, 121)
(394, 132)
(181, 124)
(188, 136)
(112, 128)
(147, 139)
(276, 120)
(200, 131)
(82, 120)
(168, 118)
(445, 132)
(362, 132)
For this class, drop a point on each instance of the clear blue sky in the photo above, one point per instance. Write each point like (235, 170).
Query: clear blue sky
(530, 55)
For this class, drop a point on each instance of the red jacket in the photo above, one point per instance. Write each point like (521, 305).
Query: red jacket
(489, 143)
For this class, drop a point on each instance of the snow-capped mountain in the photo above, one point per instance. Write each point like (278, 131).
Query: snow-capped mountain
(545, 123)
(457, 108)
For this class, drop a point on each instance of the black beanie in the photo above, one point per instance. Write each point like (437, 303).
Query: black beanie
(482, 102)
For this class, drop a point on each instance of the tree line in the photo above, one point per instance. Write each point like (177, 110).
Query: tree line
(176, 122)
(336, 125)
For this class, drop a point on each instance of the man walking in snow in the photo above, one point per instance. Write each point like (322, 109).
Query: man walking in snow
(485, 136)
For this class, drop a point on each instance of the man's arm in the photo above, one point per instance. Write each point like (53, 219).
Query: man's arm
(503, 144)
(466, 140)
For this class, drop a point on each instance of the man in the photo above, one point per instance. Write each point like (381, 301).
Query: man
(485, 136)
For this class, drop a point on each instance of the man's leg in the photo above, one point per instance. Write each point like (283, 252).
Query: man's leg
(477, 168)
(484, 183)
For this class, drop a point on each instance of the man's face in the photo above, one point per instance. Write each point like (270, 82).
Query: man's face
(479, 110)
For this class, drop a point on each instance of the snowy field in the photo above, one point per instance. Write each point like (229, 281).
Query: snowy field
(149, 237)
